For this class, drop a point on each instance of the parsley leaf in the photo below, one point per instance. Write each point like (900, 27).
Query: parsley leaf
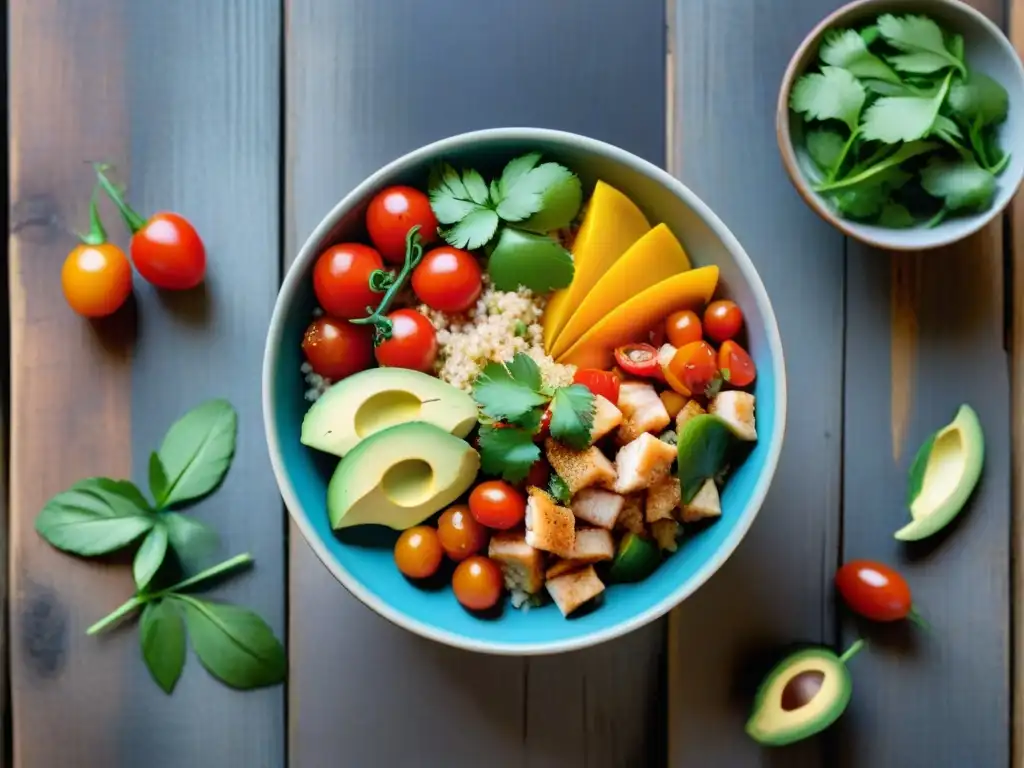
(558, 489)
(962, 185)
(474, 229)
(501, 395)
(922, 41)
(572, 416)
(507, 452)
(893, 119)
(825, 148)
(832, 94)
(979, 98)
(847, 49)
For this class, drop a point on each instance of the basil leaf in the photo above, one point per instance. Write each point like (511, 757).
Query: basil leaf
(191, 540)
(157, 477)
(122, 495)
(197, 451)
(150, 555)
(162, 637)
(234, 644)
(91, 522)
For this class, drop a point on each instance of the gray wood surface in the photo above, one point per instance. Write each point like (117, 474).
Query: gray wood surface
(367, 82)
(184, 98)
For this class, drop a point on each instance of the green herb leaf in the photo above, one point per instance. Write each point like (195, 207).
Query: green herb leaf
(525, 370)
(515, 169)
(962, 185)
(502, 396)
(922, 41)
(450, 198)
(883, 88)
(572, 416)
(89, 521)
(558, 489)
(157, 477)
(947, 130)
(529, 192)
(860, 175)
(197, 451)
(123, 496)
(979, 97)
(825, 147)
(867, 199)
(507, 452)
(473, 230)
(233, 643)
(847, 49)
(192, 541)
(869, 34)
(150, 555)
(496, 195)
(832, 94)
(162, 637)
(896, 216)
(476, 187)
(534, 261)
(893, 119)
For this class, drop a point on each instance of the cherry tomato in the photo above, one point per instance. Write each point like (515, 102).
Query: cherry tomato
(337, 348)
(459, 532)
(545, 423)
(413, 342)
(497, 504)
(874, 590)
(692, 369)
(341, 280)
(96, 279)
(683, 328)
(722, 320)
(447, 279)
(638, 359)
(603, 383)
(539, 474)
(392, 213)
(477, 583)
(734, 359)
(418, 552)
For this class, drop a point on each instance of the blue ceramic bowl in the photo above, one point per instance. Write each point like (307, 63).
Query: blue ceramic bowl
(363, 562)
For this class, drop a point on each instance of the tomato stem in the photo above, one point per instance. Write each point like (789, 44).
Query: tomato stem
(852, 651)
(380, 279)
(97, 234)
(132, 220)
(918, 619)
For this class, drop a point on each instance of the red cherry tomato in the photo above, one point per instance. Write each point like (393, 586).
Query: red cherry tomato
(341, 280)
(413, 342)
(539, 474)
(603, 383)
(638, 359)
(497, 504)
(734, 359)
(337, 348)
(874, 590)
(96, 279)
(392, 213)
(545, 424)
(692, 369)
(477, 583)
(722, 320)
(447, 279)
(683, 328)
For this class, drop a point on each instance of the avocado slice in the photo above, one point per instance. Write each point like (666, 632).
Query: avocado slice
(369, 401)
(636, 559)
(944, 474)
(400, 476)
(802, 695)
(703, 445)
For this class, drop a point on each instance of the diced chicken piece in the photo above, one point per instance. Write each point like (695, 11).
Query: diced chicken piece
(549, 526)
(705, 504)
(666, 533)
(642, 411)
(592, 546)
(572, 590)
(641, 463)
(665, 354)
(662, 499)
(579, 469)
(597, 507)
(522, 565)
(691, 409)
(674, 402)
(631, 518)
(606, 418)
(736, 409)
(562, 567)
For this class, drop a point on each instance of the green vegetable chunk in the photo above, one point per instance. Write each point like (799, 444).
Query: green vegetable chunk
(636, 558)
(703, 446)
(526, 259)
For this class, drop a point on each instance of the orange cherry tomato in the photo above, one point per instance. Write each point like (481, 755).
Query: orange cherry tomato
(497, 504)
(447, 279)
(722, 320)
(96, 279)
(337, 348)
(341, 280)
(604, 383)
(477, 583)
(683, 328)
(390, 216)
(413, 342)
(418, 552)
(692, 369)
(736, 365)
(460, 534)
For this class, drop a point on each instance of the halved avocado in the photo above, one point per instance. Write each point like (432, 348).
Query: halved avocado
(803, 694)
(944, 474)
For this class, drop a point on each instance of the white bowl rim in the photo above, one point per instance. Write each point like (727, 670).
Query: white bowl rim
(439, 148)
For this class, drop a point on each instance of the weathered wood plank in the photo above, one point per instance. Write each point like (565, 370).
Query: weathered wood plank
(729, 56)
(351, 107)
(186, 95)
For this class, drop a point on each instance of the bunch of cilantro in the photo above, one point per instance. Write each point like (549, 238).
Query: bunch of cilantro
(512, 399)
(900, 129)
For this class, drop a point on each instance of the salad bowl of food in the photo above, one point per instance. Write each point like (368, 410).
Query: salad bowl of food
(523, 391)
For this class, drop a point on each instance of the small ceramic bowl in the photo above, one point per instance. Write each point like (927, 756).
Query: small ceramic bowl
(986, 49)
(362, 558)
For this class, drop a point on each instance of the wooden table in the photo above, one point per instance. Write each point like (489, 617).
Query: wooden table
(253, 117)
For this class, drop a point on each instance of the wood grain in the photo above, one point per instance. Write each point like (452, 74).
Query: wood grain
(1015, 250)
(729, 57)
(353, 106)
(183, 99)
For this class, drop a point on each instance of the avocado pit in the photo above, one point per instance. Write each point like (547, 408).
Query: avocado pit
(801, 689)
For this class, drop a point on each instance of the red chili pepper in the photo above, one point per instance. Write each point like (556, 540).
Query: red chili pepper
(638, 359)
(165, 248)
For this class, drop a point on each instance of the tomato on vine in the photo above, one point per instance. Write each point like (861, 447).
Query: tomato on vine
(96, 277)
(412, 344)
(448, 279)
(392, 213)
(336, 348)
(341, 280)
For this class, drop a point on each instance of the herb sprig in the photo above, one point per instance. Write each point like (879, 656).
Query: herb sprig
(899, 129)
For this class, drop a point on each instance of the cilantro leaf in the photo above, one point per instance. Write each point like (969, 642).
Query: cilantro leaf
(502, 397)
(825, 147)
(515, 170)
(473, 230)
(558, 489)
(962, 185)
(979, 98)
(859, 175)
(896, 216)
(832, 94)
(922, 42)
(476, 187)
(450, 199)
(947, 130)
(893, 119)
(524, 368)
(868, 198)
(847, 49)
(572, 416)
(527, 194)
(507, 452)
(495, 192)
